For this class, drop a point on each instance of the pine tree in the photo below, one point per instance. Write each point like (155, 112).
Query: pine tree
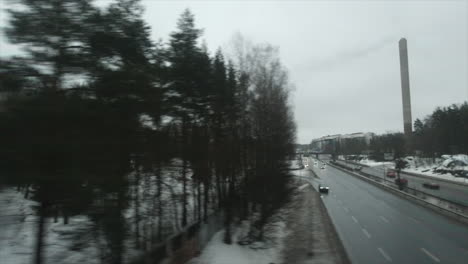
(184, 91)
(52, 33)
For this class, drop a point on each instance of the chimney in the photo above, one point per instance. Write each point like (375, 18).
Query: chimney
(405, 88)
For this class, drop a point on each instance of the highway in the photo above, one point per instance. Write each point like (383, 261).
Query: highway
(379, 227)
(455, 192)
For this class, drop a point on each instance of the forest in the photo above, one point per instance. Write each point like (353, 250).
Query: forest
(142, 137)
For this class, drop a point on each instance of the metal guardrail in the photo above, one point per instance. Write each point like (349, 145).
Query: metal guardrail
(447, 212)
(413, 174)
(434, 178)
(416, 191)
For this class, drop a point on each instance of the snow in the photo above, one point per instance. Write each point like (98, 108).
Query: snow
(427, 171)
(78, 242)
(461, 157)
(17, 235)
(426, 166)
(217, 252)
(372, 163)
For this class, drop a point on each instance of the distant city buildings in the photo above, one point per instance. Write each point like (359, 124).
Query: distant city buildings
(336, 143)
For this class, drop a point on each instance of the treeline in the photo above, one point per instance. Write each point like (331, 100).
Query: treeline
(99, 120)
(445, 131)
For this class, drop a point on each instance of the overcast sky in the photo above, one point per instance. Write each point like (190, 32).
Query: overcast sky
(342, 56)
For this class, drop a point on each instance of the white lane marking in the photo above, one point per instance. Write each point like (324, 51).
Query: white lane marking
(366, 233)
(303, 186)
(384, 219)
(354, 219)
(430, 255)
(385, 255)
(346, 209)
(415, 220)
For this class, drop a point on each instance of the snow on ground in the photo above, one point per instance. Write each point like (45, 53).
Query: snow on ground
(425, 166)
(217, 252)
(18, 233)
(18, 223)
(427, 171)
(373, 163)
(296, 164)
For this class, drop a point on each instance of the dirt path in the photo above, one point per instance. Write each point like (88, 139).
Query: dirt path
(313, 238)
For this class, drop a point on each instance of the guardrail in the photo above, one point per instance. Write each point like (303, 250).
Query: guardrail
(434, 178)
(463, 207)
(444, 211)
(424, 176)
(415, 191)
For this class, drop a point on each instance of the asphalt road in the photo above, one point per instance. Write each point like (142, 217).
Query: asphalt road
(450, 191)
(379, 227)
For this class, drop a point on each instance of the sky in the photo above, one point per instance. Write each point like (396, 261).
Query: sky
(342, 56)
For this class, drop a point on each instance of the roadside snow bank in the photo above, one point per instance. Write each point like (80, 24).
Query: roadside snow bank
(373, 163)
(217, 252)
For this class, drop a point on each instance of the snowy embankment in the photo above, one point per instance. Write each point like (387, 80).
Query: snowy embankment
(427, 171)
(83, 240)
(18, 234)
(372, 163)
(442, 168)
(217, 252)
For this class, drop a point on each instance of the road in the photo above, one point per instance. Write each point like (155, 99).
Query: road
(379, 227)
(450, 191)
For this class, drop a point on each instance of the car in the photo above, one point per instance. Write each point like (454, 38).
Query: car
(401, 181)
(431, 185)
(323, 167)
(323, 189)
(391, 174)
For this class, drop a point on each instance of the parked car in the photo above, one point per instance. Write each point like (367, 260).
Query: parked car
(431, 185)
(391, 174)
(323, 167)
(323, 189)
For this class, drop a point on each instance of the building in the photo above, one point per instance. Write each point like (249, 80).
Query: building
(338, 143)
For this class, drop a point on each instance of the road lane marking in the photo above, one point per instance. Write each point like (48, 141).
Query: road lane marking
(430, 255)
(346, 209)
(415, 220)
(354, 219)
(386, 257)
(384, 219)
(366, 233)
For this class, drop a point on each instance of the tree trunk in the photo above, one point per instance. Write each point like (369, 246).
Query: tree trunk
(184, 173)
(159, 195)
(40, 235)
(206, 200)
(184, 193)
(137, 208)
(199, 201)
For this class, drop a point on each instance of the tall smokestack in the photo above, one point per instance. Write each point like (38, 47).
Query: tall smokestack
(405, 89)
